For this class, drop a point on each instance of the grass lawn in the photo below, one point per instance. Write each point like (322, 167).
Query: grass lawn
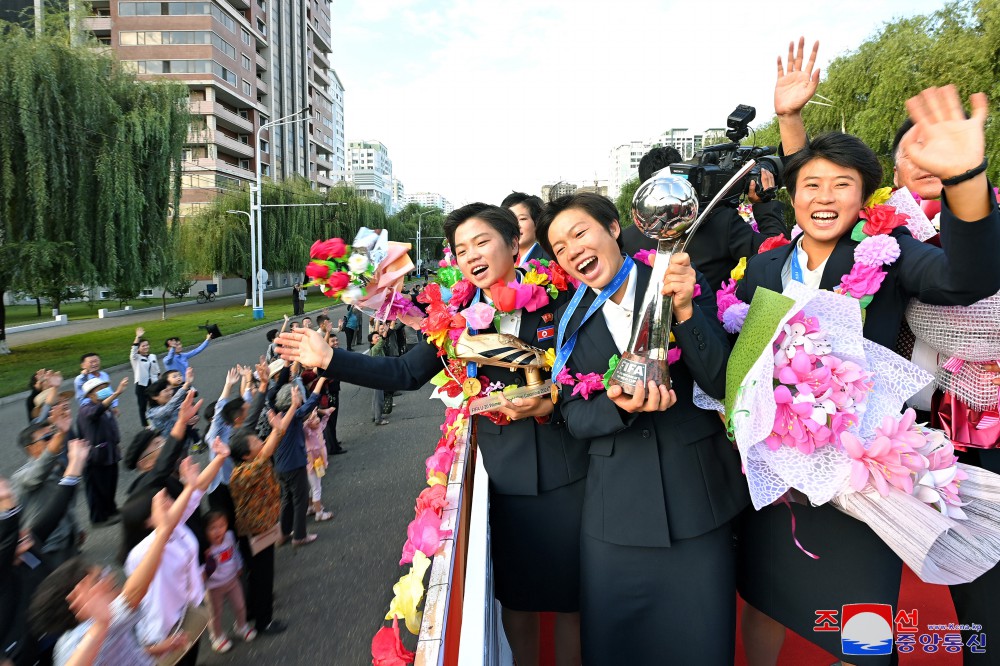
(113, 343)
(28, 314)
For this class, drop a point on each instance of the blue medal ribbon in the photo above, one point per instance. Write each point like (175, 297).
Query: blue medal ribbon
(471, 367)
(796, 268)
(565, 346)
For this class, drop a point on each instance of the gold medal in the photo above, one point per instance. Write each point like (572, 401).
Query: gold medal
(555, 393)
(472, 387)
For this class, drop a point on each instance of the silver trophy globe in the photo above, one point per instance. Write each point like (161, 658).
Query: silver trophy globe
(665, 207)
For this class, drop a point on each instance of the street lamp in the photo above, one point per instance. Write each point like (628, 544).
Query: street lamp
(253, 236)
(258, 251)
(420, 222)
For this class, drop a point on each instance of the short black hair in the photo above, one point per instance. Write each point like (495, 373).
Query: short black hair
(138, 444)
(272, 334)
(900, 133)
(239, 444)
(598, 207)
(658, 158)
(49, 611)
(213, 516)
(27, 436)
(167, 373)
(532, 202)
(140, 341)
(320, 319)
(843, 150)
(210, 411)
(157, 387)
(166, 343)
(231, 410)
(502, 220)
(84, 357)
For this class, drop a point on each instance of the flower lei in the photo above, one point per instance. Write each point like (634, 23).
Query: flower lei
(337, 276)
(586, 384)
(876, 251)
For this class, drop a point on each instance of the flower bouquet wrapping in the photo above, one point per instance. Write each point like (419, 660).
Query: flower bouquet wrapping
(814, 407)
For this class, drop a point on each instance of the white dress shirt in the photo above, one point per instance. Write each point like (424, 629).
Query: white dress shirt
(177, 583)
(810, 278)
(618, 317)
(509, 322)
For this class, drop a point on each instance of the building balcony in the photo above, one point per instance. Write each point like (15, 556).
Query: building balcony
(232, 145)
(261, 86)
(322, 78)
(261, 61)
(99, 25)
(323, 179)
(204, 165)
(321, 38)
(233, 120)
(321, 59)
(239, 4)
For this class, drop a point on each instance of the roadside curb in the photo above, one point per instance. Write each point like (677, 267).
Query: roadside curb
(68, 383)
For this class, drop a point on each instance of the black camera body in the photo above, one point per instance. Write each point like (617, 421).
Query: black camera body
(712, 167)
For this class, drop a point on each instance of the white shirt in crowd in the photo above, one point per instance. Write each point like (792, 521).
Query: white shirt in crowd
(810, 278)
(177, 583)
(619, 317)
(146, 369)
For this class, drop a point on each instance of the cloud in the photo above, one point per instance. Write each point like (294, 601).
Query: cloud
(476, 98)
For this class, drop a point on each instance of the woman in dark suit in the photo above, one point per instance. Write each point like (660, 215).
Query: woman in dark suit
(536, 469)
(829, 180)
(664, 482)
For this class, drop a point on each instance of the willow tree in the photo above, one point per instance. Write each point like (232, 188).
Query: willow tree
(87, 157)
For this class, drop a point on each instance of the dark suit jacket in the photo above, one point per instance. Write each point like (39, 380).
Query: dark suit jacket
(523, 457)
(722, 240)
(964, 272)
(536, 252)
(654, 478)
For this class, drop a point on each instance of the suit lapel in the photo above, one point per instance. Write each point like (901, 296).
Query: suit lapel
(772, 269)
(840, 263)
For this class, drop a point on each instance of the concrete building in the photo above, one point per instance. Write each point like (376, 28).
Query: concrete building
(369, 171)
(687, 142)
(624, 164)
(561, 189)
(398, 195)
(430, 200)
(245, 62)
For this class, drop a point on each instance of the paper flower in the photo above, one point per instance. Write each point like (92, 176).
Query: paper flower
(424, 534)
(409, 592)
(449, 276)
(388, 649)
(879, 197)
(879, 250)
(358, 263)
(612, 365)
(440, 462)
(643, 256)
(725, 297)
(733, 317)
(550, 358)
(513, 296)
(587, 384)
(862, 280)
(565, 377)
(432, 498)
(461, 293)
(338, 281)
(479, 316)
(334, 248)
(881, 220)
(773, 242)
(558, 277)
(739, 269)
(317, 270)
(673, 355)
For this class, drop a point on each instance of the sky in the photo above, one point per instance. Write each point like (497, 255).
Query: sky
(476, 98)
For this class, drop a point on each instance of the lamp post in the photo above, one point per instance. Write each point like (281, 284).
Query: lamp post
(255, 235)
(253, 259)
(420, 223)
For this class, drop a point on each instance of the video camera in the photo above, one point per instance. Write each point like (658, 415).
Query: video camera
(712, 166)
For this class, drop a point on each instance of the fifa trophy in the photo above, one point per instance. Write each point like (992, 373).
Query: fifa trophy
(665, 207)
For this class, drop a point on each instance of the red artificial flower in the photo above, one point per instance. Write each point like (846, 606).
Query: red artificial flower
(438, 319)
(504, 298)
(461, 292)
(388, 648)
(432, 497)
(773, 242)
(430, 294)
(333, 248)
(881, 219)
(558, 277)
(317, 271)
(339, 281)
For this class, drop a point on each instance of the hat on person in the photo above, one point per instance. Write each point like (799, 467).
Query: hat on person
(274, 367)
(92, 384)
(135, 448)
(43, 396)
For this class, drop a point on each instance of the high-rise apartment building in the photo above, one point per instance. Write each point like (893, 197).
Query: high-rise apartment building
(430, 200)
(369, 170)
(245, 62)
(398, 195)
(625, 164)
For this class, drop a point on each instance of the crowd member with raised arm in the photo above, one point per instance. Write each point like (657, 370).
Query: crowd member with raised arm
(664, 482)
(830, 178)
(97, 423)
(176, 358)
(257, 498)
(536, 468)
(145, 370)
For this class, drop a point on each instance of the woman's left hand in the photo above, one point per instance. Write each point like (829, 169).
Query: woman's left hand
(679, 283)
(522, 408)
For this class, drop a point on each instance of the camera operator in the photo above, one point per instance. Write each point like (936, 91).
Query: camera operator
(724, 237)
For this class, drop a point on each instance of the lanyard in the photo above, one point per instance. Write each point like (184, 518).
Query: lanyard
(565, 346)
(796, 268)
(471, 367)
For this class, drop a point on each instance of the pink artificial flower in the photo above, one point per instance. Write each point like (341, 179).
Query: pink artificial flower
(734, 317)
(565, 378)
(792, 425)
(531, 297)
(587, 384)
(479, 316)
(772, 243)
(673, 355)
(333, 248)
(440, 462)
(877, 251)
(881, 219)
(461, 293)
(862, 280)
(725, 297)
(643, 256)
(697, 290)
(316, 271)
(424, 533)
(433, 498)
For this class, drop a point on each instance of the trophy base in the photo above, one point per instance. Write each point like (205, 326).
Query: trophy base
(633, 368)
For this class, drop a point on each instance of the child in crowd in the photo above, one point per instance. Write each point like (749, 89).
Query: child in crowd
(317, 463)
(167, 400)
(223, 571)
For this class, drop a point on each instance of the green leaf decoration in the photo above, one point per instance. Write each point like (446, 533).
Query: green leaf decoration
(857, 234)
(612, 364)
(866, 300)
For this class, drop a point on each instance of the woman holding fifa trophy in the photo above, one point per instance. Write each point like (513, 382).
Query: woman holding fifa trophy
(830, 178)
(664, 484)
(536, 469)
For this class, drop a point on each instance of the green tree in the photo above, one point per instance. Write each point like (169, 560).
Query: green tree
(624, 201)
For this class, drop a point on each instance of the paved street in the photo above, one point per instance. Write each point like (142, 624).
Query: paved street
(333, 593)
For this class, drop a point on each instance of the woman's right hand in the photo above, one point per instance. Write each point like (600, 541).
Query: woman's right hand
(795, 86)
(650, 398)
(305, 345)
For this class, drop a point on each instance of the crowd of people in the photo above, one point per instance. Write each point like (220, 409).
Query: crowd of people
(191, 542)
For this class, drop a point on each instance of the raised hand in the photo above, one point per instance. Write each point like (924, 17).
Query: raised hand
(795, 85)
(189, 408)
(189, 376)
(233, 376)
(54, 379)
(943, 142)
(139, 332)
(305, 345)
(296, 399)
(189, 471)
(219, 448)
(121, 385)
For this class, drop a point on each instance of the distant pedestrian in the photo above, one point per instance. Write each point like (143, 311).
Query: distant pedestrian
(145, 370)
(96, 423)
(352, 326)
(302, 299)
(378, 396)
(332, 387)
(176, 358)
(296, 303)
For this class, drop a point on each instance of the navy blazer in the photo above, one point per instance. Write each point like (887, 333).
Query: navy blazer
(964, 272)
(535, 252)
(722, 240)
(522, 457)
(658, 477)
